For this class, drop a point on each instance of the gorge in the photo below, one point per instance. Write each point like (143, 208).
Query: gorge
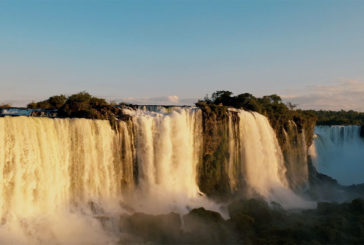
(339, 153)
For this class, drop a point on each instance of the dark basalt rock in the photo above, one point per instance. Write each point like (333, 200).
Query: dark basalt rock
(163, 229)
(294, 149)
(255, 222)
(212, 176)
(203, 216)
(203, 226)
(252, 211)
(325, 188)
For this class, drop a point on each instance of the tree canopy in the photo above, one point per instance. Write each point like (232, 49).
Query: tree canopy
(271, 105)
(82, 105)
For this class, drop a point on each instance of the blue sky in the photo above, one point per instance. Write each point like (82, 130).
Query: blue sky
(179, 50)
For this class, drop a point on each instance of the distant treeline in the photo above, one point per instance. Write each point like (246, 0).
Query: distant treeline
(5, 106)
(338, 117)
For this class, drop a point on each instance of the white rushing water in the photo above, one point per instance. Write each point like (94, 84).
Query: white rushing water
(60, 177)
(338, 151)
(168, 150)
(48, 170)
(262, 161)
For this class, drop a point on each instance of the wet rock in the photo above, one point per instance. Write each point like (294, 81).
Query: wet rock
(165, 228)
(251, 211)
(203, 226)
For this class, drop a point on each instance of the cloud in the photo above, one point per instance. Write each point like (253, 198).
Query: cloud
(173, 98)
(162, 100)
(342, 95)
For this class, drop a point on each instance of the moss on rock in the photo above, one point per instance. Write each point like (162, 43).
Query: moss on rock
(212, 176)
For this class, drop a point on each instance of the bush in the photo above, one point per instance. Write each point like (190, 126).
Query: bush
(81, 105)
(54, 102)
(338, 117)
(5, 106)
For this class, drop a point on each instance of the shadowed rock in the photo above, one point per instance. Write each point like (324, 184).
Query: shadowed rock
(164, 228)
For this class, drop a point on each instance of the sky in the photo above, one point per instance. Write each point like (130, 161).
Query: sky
(311, 52)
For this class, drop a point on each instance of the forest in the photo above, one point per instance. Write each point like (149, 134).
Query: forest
(338, 117)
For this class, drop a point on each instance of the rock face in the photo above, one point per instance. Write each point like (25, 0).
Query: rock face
(294, 137)
(252, 221)
(212, 174)
(331, 223)
(200, 226)
(325, 188)
(220, 172)
(164, 228)
(294, 141)
(203, 226)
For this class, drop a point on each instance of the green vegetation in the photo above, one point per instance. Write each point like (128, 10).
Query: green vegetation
(338, 117)
(54, 102)
(272, 106)
(5, 106)
(81, 105)
(212, 176)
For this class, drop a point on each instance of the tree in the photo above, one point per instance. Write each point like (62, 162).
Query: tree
(275, 99)
(222, 96)
(54, 102)
(291, 106)
(57, 101)
(4, 106)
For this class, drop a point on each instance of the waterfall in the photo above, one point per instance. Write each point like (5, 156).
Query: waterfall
(168, 150)
(295, 154)
(49, 168)
(66, 181)
(59, 176)
(261, 160)
(338, 151)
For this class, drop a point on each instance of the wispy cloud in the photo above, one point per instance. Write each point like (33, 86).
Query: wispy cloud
(344, 94)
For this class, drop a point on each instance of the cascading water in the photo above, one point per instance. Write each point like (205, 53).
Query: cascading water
(66, 181)
(295, 155)
(168, 149)
(57, 175)
(53, 173)
(338, 151)
(261, 160)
